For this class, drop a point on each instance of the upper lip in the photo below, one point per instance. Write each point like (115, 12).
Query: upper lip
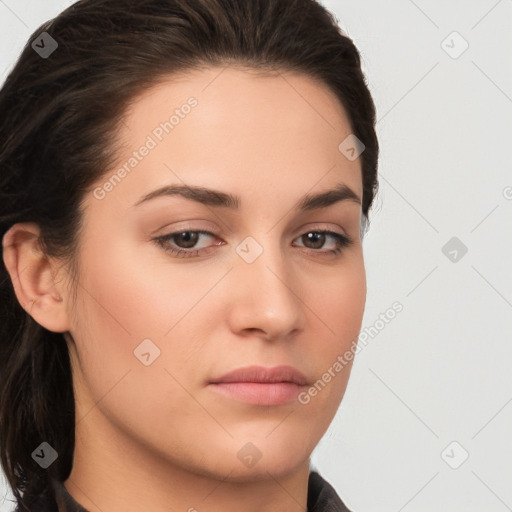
(264, 375)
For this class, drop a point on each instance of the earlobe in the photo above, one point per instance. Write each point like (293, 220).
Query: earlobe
(32, 274)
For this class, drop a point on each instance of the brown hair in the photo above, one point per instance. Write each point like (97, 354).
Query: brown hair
(58, 120)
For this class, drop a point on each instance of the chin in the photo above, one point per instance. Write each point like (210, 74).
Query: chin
(260, 458)
(278, 468)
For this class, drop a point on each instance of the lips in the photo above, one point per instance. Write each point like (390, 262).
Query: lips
(260, 386)
(263, 375)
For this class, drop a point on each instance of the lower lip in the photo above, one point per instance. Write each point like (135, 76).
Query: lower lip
(257, 393)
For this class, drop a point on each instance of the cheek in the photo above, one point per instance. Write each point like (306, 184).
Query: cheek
(130, 292)
(340, 302)
(121, 303)
(126, 297)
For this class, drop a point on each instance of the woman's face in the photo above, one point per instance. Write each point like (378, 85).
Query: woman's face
(153, 328)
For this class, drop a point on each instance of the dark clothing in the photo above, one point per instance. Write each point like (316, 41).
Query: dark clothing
(321, 498)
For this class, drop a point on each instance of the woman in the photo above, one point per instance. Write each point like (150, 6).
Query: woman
(184, 191)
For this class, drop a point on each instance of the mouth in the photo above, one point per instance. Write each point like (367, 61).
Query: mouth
(257, 385)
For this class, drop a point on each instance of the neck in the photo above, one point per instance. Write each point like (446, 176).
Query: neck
(113, 474)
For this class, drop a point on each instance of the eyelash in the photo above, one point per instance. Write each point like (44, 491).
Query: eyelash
(342, 242)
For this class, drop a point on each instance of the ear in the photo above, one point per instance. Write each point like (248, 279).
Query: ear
(34, 277)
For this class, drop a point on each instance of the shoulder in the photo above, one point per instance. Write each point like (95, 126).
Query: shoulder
(322, 497)
(57, 500)
(40, 505)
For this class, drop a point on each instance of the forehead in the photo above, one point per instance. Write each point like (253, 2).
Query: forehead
(240, 128)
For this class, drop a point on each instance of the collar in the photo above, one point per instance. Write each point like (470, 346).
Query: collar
(321, 497)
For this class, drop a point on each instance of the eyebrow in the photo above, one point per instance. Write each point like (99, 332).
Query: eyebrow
(216, 198)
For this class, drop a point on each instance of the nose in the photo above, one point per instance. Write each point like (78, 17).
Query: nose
(266, 296)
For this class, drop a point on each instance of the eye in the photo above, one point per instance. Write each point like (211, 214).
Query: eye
(187, 238)
(181, 243)
(317, 238)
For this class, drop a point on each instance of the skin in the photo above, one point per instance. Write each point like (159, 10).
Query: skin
(158, 437)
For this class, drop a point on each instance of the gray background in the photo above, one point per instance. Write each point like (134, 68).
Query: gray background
(426, 421)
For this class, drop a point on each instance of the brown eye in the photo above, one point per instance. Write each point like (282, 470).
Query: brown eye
(316, 239)
(182, 243)
(187, 238)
